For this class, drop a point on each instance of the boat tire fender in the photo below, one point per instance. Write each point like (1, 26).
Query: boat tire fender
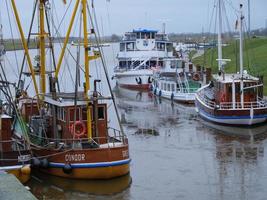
(160, 93)
(67, 169)
(44, 163)
(172, 96)
(35, 162)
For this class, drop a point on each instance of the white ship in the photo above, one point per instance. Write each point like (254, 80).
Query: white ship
(141, 52)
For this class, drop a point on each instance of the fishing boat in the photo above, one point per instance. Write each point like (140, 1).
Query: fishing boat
(141, 52)
(69, 130)
(232, 99)
(15, 156)
(177, 80)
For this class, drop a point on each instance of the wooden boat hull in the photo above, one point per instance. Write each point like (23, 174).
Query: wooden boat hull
(97, 163)
(21, 172)
(231, 116)
(16, 163)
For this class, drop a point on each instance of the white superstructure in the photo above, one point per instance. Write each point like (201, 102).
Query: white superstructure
(141, 52)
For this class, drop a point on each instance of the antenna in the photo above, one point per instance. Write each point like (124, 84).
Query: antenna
(249, 17)
(163, 27)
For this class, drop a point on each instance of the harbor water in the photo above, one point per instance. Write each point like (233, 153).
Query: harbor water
(175, 154)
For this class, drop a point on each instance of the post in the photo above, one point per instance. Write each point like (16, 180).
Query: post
(220, 36)
(241, 55)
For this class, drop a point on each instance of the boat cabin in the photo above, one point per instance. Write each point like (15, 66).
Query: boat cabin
(70, 119)
(227, 89)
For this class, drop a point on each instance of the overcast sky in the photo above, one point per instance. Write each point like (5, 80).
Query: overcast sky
(119, 16)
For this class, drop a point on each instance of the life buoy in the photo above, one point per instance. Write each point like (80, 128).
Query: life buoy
(79, 129)
(196, 77)
(138, 80)
(149, 80)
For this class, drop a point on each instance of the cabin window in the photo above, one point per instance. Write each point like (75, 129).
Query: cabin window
(161, 46)
(169, 87)
(130, 46)
(161, 86)
(144, 35)
(84, 114)
(122, 64)
(169, 47)
(122, 46)
(172, 86)
(101, 113)
(152, 35)
(72, 114)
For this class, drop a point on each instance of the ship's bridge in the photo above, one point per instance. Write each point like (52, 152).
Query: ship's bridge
(145, 40)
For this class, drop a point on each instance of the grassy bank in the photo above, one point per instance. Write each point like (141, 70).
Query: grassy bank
(255, 58)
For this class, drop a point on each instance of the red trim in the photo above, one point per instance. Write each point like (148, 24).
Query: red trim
(136, 87)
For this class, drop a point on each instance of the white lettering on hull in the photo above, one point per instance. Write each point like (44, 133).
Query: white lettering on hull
(74, 157)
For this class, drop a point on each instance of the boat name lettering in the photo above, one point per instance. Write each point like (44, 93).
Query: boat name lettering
(125, 154)
(75, 157)
(24, 158)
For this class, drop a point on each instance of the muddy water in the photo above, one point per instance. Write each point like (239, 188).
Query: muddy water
(175, 155)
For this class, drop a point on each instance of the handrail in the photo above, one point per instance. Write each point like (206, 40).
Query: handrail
(260, 103)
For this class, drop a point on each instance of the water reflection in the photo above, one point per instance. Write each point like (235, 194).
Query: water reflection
(240, 154)
(148, 114)
(44, 186)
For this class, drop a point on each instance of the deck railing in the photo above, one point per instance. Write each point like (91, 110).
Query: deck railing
(260, 103)
(114, 139)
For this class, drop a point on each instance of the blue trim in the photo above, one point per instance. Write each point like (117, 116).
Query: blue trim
(144, 31)
(92, 165)
(232, 117)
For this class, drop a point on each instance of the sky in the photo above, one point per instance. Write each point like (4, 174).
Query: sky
(119, 16)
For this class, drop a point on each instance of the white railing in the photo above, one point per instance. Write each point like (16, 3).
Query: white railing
(260, 103)
(205, 100)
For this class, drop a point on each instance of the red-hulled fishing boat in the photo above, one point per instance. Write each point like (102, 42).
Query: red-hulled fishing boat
(233, 99)
(70, 135)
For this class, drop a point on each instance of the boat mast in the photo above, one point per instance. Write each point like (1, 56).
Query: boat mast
(86, 65)
(42, 36)
(241, 54)
(220, 36)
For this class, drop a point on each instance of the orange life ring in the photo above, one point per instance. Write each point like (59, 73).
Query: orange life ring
(80, 129)
(196, 77)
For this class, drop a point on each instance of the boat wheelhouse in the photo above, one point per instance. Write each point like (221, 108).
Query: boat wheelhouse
(141, 52)
(232, 99)
(177, 80)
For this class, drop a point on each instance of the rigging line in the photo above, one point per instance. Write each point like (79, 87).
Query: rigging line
(28, 41)
(68, 50)
(12, 36)
(215, 28)
(105, 70)
(109, 23)
(11, 101)
(8, 60)
(227, 20)
(51, 45)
